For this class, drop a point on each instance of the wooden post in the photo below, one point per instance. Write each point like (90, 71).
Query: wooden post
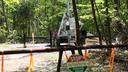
(59, 60)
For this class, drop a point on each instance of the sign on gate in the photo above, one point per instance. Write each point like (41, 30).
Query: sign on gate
(76, 63)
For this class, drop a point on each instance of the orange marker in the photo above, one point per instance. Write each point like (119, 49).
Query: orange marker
(2, 64)
(112, 60)
(31, 65)
(33, 42)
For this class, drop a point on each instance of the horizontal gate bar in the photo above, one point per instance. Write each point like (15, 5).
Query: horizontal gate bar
(57, 49)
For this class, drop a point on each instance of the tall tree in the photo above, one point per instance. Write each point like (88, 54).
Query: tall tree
(77, 25)
(127, 4)
(4, 13)
(107, 25)
(24, 16)
(117, 6)
(95, 20)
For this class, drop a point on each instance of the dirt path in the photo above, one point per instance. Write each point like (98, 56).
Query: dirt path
(20, 62)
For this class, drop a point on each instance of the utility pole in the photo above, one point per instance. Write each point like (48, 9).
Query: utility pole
(77, 25)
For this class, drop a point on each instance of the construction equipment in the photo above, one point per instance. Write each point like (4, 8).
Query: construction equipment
(67, 29)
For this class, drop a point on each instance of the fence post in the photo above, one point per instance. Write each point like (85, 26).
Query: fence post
(112, 59)
(2, 62)
(59, 60)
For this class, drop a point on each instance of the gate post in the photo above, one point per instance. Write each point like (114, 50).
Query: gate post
(60, 59)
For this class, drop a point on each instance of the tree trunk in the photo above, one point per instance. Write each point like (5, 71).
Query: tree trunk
(5, 17)
(107, 25)
(50, 36)
(77, 25)
(117, 6)
(102, 26)
(127, 4)
(24, 38)
(76, 1)
(95, 20)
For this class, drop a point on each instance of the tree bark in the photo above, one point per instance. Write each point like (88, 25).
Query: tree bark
(107, 25)
(95, 20)
(77, 25)
(117, 6)
(5, 17)
(24, 40)
(102, 26)
(127, 4)
(107, 31)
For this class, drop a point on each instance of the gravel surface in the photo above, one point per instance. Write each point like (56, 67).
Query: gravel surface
(44, 62)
